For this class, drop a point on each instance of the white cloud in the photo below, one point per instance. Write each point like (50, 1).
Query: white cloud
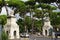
(58, 10)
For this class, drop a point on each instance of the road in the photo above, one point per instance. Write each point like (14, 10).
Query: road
(41, 38)
(33, 37)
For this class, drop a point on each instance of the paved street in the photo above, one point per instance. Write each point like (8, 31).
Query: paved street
(21, 39)
(24, 39)
(33, 37)
(41, 38)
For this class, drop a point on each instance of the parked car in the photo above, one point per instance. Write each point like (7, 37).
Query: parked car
(57, 34)
(24, 35)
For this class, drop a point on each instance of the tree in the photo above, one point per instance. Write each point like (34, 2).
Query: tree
(20, 22)
(55, 20)
(38, 13)
(46, 10)
(38, 25)
(46, 1)
(3, 20)
(0, 2)
(20, 6)
(44, 6)
(28, 23)
(30, 5)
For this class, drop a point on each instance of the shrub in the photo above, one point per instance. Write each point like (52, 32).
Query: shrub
(4, 36)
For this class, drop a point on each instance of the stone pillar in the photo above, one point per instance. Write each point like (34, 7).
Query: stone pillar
(47, 32)
(11, 36)
(17, 34)
(43, 32)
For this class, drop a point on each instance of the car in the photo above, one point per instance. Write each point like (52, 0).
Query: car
(57, 33)
(24, 35)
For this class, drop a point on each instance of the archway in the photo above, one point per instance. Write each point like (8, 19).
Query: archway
(14, 33)
(46, 32)
(7, 32)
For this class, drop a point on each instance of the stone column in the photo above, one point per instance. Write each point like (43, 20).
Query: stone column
(17, 34)
(47, 32)
(44, 32)
(11, 36)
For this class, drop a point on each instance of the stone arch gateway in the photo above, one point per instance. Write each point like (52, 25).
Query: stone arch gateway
(46, 27)
(12, 27)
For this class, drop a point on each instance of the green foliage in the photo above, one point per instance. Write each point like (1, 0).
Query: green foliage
(28, 22)
(23, 7)
(48, 1)
(43, 5)
(20, 22)
(3, 19)
(30, 2)
(13, 3)
(38, 13)
(55, 18)
(38, 25)
(20, 5)
(53, 8)
(47, 6)
(37, 6)
(0, 2)
(45, 1)
(4, 36)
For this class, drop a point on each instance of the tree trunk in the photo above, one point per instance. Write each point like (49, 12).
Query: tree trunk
(42, 19)
(32, 25)
(24, 16)
(31, 19)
